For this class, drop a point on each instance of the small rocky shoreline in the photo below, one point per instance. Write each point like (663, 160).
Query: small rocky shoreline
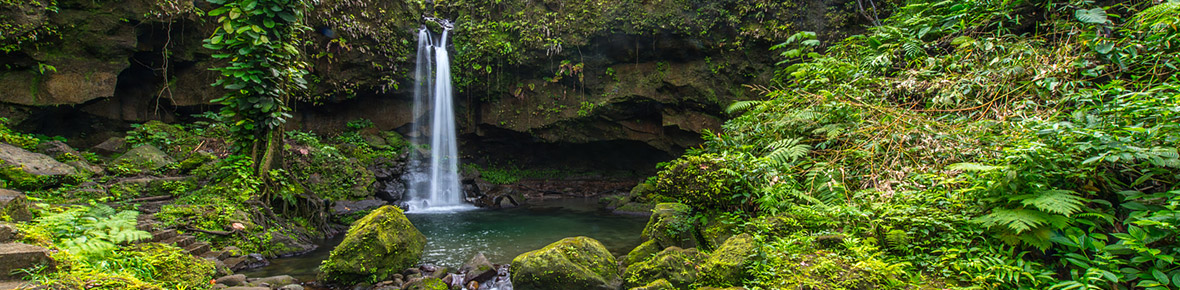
(476, 274)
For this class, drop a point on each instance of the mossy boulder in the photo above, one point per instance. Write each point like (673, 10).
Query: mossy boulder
(428, 283)
(172, 139)
(641, 191)
(660, 284)
(328, 172)
(703, 182)
(718, 229)
(175, 268)
(377, 246)
(672, 224)
(571, 263)
(727, 265)
(142, 158)
(196, 160)
(641, 253)
(677, 265)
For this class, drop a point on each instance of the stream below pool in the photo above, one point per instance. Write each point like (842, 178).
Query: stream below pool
(502, 234)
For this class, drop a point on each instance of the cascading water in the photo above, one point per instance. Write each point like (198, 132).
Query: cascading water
(434, 187)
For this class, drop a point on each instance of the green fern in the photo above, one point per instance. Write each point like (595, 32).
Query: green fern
(741, 106)
(1064, 202)
(1019, 220)
(830, 131)
(1153, 16)
(786, 151)
(92, 232)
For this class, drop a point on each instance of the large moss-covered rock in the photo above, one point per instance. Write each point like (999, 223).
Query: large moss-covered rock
(142, 158)
(718, 229)
(641, 253)
(376, 247)
(328, 173)
(26, 170)
(660, 284)
(174, 266)
(727, 265)
(671, 224)
(32, 163)
(571, 263)
(677, 265)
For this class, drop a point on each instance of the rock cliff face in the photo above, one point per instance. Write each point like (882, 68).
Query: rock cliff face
(562, 76)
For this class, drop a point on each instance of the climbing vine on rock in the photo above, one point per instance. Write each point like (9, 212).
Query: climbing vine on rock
(262, 67)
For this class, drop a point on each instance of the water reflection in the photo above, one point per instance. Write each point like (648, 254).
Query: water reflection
(501, 235)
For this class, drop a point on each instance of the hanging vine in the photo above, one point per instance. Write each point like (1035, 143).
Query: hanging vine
(257, 40)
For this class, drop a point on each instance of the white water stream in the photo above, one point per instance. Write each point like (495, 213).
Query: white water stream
(435, 187)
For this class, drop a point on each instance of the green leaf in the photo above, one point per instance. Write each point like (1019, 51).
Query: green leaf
(962, 41)
(1160, 276)
(287, 16)
(218, 11)
(1104, 47)
(1091, 16)
(235, 86)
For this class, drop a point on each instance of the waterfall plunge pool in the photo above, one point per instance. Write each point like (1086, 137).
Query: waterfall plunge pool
(502, 234)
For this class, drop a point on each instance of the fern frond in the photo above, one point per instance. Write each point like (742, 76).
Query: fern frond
(1016, 220)
(1150, 17)
(741, 106)
(807, 115)
(913, 49)
(1064, 202)
(786, 151)
(830, 130)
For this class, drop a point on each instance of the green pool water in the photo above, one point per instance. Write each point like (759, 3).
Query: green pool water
(501, 234)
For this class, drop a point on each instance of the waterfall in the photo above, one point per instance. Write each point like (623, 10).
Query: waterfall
(434, 187)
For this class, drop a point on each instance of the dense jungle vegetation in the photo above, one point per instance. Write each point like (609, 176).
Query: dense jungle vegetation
(973, 144)
(983, 144)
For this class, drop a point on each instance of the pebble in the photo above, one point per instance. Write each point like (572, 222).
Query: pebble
(232, 280)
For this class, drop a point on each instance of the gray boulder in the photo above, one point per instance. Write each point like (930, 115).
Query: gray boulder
(32, 163)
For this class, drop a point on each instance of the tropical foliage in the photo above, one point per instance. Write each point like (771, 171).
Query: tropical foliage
(257, 38)
(985, 144)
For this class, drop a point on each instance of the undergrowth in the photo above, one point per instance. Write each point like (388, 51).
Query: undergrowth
(959, 144)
